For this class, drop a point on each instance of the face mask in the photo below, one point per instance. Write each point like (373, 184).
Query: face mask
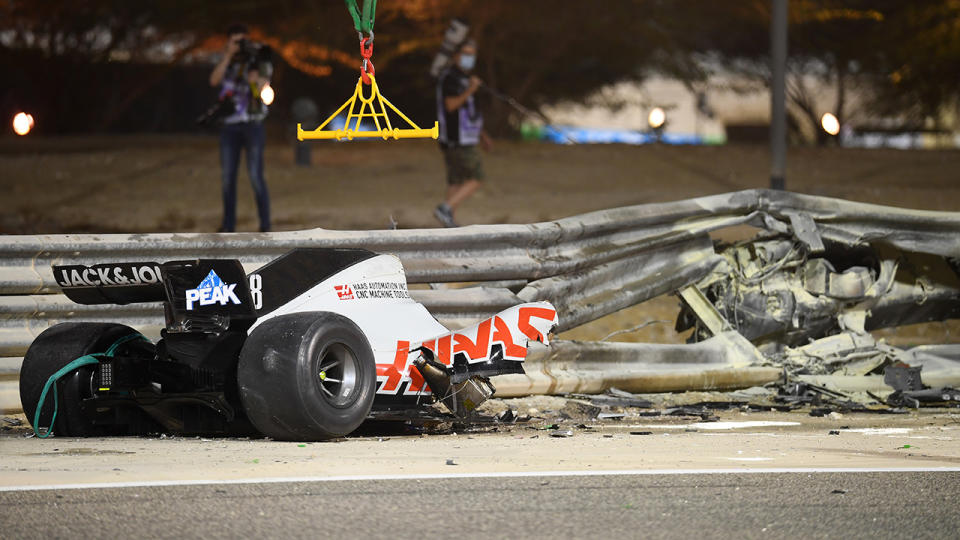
(467, 61)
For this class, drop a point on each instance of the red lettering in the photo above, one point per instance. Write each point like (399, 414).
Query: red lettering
(523, 322)
(474, 350)
(502, 334)
(394, 372)
(417, 383)
(444, 353)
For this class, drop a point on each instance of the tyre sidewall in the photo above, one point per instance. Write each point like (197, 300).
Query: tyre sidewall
(278, 376)
(318, 339)
(53, 349)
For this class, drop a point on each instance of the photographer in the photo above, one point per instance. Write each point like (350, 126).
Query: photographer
(241, 74)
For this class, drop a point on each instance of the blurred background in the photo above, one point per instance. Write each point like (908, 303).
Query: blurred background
(622, 102)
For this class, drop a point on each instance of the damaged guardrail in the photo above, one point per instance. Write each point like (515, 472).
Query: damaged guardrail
(502, 252)
(777, 292)
(725, 361)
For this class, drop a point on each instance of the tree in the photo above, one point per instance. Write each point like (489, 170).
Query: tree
(903, 54)
(915, 75)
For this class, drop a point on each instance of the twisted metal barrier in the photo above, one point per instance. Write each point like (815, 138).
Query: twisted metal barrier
(589, 265)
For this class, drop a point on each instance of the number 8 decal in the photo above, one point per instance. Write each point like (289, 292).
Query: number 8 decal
(256, 284)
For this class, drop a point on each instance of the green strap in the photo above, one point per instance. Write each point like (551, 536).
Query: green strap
(84, 360)
(362, 20)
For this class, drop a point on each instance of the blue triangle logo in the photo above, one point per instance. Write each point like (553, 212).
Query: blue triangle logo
(211, 281)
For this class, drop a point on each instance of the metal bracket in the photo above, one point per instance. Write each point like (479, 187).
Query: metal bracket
(374, 106)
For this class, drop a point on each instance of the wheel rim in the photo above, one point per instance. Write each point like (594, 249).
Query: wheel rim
(337, 374)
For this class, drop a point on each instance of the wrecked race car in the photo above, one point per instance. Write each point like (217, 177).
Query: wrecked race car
(780, 293)
(306, 347)
(806, 297)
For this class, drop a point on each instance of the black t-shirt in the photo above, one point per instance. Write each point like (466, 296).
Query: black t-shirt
(460, 127)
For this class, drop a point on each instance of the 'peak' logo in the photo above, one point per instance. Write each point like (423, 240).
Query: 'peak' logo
(212, 290)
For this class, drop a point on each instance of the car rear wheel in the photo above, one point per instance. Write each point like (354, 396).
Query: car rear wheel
(307, 376)
(52, 350)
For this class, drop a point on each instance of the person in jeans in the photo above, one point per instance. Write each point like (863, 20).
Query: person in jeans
(240, 77)
(461, 129)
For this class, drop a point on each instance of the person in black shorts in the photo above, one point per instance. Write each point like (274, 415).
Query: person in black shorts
(461, 130)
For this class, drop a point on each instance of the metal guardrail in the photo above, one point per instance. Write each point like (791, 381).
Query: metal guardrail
(497, 252)
(722, 362)
(581, 296)
(588, 265)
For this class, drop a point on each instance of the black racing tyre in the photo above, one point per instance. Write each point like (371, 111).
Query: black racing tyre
(307, 376)
(53, 349)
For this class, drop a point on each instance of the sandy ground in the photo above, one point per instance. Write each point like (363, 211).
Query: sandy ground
(171, 183)
(738, 440)
(152, 184)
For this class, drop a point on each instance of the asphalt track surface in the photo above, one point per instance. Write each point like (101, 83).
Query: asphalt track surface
(648, 505)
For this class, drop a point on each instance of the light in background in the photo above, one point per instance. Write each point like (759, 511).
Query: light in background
(830, 124)
(267, 94)
(22, 123)
(656, 118)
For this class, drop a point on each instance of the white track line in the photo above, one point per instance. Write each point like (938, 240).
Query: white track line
(444, 476)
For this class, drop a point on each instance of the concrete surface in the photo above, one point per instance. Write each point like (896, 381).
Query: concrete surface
(790, 505)
(771, 440)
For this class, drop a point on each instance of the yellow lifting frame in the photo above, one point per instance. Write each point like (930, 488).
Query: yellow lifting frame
(368, 109)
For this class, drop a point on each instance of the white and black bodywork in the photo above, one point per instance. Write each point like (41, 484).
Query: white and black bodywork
(306, 347)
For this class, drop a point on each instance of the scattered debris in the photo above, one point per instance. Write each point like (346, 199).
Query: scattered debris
(575, 409)
(641, 433)
(567, 433)
(933, 397)
(909, 390)
(834, 432)
(902, 377)
(451, 462)
(614, 397)
(703, 412)
(806, 393)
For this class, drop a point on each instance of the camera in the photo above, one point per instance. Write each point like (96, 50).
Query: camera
(250, 55)
(253, 55)
(455, 35)
(218, 111)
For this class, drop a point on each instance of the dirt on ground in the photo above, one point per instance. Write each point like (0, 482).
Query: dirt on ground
(554, 440)
(142, 183)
